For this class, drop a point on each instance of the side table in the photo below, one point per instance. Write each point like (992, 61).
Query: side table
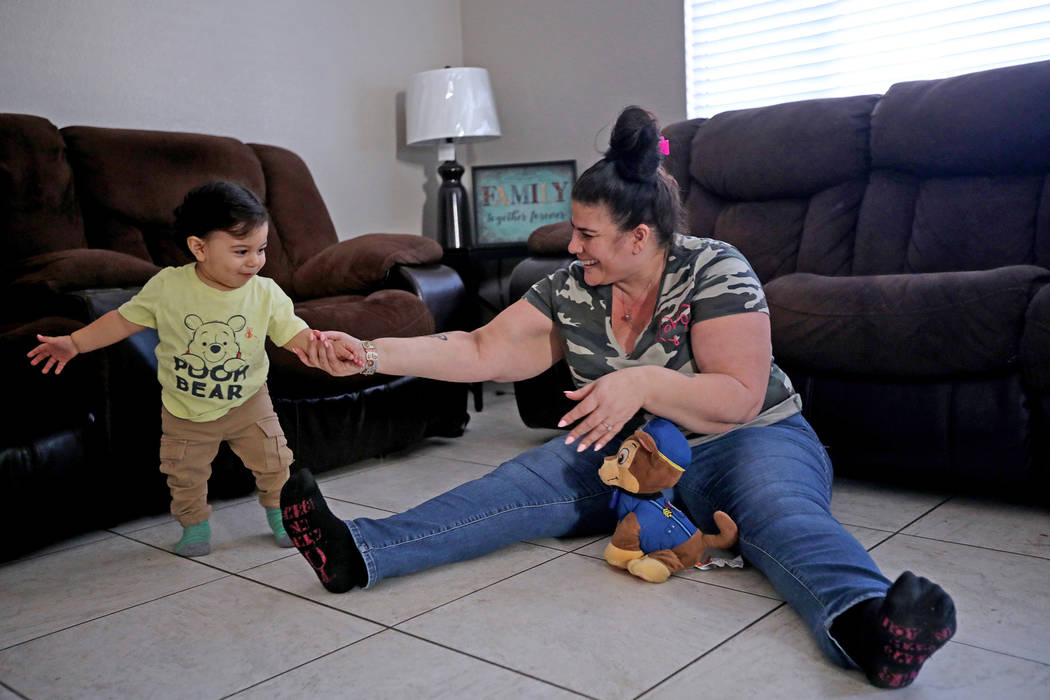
(475, 265)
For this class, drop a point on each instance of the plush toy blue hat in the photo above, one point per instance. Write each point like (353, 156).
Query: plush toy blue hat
(670, 442)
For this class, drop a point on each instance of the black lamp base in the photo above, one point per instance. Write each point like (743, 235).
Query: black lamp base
(453, 218)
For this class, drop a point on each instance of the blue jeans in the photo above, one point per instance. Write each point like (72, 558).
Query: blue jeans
(775, 482)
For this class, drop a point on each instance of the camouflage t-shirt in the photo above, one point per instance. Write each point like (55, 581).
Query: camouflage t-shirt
(703, 279)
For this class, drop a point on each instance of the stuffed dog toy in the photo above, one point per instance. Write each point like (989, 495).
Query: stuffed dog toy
(653, 538)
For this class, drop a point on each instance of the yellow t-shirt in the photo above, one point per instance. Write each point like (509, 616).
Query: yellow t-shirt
(211, 356)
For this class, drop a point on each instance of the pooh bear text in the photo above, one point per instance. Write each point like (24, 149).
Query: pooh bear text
(212, 366)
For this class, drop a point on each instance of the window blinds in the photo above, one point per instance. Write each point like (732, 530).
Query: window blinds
(748, 53)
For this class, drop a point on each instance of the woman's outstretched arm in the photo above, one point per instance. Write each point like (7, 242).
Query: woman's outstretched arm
(520, 342)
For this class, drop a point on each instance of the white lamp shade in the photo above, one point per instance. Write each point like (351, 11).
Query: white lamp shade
(450, 103)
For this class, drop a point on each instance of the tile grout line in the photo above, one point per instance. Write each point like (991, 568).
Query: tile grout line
(490, 662)
(693, 580)
(394, 628)
(976, 546)
(946, 499)
(11, 690)
(129, 607)
(361, 505)
(34, 556)
(562, 555)
(193, 560)
(722, 643)
(901, 531)
(305, 663)
(304, 598)
(971, 645)
(478, 590)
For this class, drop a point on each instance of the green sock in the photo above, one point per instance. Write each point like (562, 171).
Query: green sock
(273, 516)
(196, 540)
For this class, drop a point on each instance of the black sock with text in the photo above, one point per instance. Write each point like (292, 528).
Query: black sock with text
(891, 638)
(322, 538)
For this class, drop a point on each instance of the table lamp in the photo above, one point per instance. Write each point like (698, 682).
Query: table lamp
(442, 108)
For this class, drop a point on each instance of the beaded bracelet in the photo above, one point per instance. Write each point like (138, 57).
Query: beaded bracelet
(371, 357)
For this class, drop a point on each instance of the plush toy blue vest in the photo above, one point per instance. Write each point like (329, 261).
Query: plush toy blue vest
(663, 526)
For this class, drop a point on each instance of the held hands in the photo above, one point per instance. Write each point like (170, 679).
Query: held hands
(57, 350)
(605, 405)
(335, 352)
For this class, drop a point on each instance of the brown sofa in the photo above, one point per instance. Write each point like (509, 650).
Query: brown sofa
(904, 244)
(86, 219)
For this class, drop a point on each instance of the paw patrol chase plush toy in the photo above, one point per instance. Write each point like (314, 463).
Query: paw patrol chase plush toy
(653, 538)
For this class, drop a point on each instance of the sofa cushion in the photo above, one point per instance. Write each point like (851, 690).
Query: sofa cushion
(297, 213)
(974, 223)
(985, 123)
(680, 141)
(939, 224)
(38, 206)
(767, 233)
(85, 268)
(784, 184)
(920, 325)
(386, 313)
(130, 181)
(784, 151)
(360, 264)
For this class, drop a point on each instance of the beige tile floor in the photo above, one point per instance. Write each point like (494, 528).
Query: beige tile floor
(115, 615)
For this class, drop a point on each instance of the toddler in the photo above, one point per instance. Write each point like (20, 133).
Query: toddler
(213, 317)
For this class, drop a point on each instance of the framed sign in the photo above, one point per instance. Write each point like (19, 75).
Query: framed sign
(511, 201)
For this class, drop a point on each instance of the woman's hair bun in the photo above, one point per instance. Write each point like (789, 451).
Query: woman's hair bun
(630, 182)
(634, 145)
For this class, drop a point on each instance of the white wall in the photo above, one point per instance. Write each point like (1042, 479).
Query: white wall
(562, 70)
(325, 78)
(320, 77)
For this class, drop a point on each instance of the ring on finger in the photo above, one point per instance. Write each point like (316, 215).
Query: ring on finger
(607, 426)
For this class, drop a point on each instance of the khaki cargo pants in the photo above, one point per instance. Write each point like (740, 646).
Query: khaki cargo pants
(187, 449)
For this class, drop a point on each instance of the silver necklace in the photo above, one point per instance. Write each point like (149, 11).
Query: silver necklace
(626, 309)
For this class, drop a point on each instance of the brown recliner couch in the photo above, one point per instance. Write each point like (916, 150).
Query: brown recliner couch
(904, 244)
(86, 219)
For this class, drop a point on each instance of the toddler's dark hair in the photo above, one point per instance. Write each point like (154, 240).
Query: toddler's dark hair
(219, 206)
(630, 181)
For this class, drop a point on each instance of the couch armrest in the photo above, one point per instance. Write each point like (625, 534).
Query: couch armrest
(531, 270)
(84, 268)
(99, 302)
(440, 288)
(551, 239)
(361, 264)
(42, 283)
(1035, 344)
(47, 403)
(910, 325)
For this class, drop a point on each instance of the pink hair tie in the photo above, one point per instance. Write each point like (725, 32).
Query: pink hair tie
(665, 146)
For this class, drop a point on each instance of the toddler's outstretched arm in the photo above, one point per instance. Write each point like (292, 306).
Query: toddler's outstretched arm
(103, 331)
